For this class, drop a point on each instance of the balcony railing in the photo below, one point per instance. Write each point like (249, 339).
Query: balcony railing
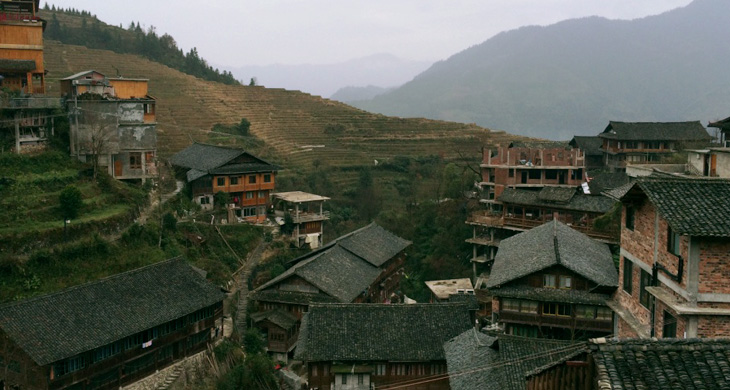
(557, 321)
(310, 217)
(484, 241)
(485, 218)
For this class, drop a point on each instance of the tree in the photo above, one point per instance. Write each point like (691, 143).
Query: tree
(252, 83)
(70, 202)
(96, 133)
(243, 126)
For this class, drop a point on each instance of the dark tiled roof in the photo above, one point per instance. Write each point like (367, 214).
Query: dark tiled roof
(590, 145)
(468, 299)
(244, 168)
(380, 332)
(556, 194)
(619, 192)
(553, 243)
(78, 319)
(688, 364)
(721, 124)
(204, 157)
(17, 65)
(480, 362)
(374, 244)
(293, 297)
(578, 202)
(540, 144)
(695, 207)
(649, 131)
(282, 318)
(551, 295)
(347, 266)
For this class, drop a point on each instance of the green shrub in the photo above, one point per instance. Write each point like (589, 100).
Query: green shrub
(70, 202)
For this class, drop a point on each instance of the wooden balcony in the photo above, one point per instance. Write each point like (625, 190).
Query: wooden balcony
(528, 223)
(557, 321)
(485, 218)
(484, 240)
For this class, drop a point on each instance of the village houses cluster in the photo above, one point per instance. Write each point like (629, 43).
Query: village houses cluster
(591, 258)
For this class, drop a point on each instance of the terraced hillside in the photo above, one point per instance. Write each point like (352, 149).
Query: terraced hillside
(293, 124)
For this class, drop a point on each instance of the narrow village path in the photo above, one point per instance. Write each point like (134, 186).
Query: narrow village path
(252, 259)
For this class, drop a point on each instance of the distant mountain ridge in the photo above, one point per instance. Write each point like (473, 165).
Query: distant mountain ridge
(574, 76)
(381, 70)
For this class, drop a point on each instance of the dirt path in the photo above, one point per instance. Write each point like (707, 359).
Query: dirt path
(252, 259)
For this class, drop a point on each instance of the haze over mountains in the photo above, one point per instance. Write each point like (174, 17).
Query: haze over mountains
(381, 70)
(573, 77)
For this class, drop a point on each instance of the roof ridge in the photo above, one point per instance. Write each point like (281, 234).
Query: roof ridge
(91, 283)
(556, 247)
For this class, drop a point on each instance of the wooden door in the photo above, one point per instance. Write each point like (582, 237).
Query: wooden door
(713, 165)
(118, 168)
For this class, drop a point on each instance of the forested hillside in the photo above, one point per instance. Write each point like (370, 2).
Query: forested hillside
(573, 77)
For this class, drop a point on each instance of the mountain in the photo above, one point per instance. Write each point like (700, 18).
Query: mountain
(382, 70)
(573, 77)
(352, 94)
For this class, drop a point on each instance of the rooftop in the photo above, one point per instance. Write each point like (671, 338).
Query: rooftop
(203, 159)
(564, 198)
(694, 207)
(78, 319)
(380, 332)
(659, 131)
(553, 243)
(590, 145)
(443, 288)
(299, 197)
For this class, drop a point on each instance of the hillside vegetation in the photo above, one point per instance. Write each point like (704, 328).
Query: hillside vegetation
(573, 77)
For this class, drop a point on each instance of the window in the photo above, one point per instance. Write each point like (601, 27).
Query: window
(631, 145)
(551, 174)
(643, 294)
(249, 212)
(564, 310)
(672, 242)
(234, 180)
(221, 181)
(360, 379)
(510, 304)
(262, 194)
(535, 174)
(380, 369)
(511, 172)
(528, 307)
(548, 281)
(344, 379)
(669, 330)
(149, 108)
(252, 179)
(587, 312)
(628, 275)
(314, 370)
(267, 178)
(135, 160)
(249, 194)
(576, 174)
(604, 313)
(566, 281)
(204, 200)
(549, 309)
(630, 216)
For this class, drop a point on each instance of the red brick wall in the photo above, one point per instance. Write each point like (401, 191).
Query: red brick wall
(714, 267)
(625, 331)
(713, 326)
(631, 301)
(659, 321)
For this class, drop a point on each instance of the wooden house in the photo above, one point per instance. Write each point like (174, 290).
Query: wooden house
(109, 333)
(21, 47)
(365, 346)
(606, 364)
(247, 179)
(112, 121)
(477, 361)
(306, 213)
(363, 266)
(591, 147)
(675, 253)
(553, 281)
(648, 142)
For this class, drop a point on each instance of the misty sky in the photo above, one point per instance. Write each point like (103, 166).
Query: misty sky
(234, 33)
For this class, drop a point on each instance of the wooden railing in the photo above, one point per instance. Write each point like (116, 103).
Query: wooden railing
(558, 321)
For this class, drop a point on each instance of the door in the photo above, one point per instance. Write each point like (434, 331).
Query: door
(713, 165)
(561, 177)
(117, 168)
(524, 177)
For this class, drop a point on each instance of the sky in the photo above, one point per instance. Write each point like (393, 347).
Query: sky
(264, 32)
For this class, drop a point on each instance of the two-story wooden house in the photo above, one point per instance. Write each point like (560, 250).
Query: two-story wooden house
(366, 346)
(648, 142)
(109, 333)
(675, 258)
(553, 281)
(307, 215)
(363, 266)
(247, 179)
(113, 123)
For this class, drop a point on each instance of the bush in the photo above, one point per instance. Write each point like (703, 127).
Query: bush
(169, 222)
(70, 202)
(243, 127)
(221, 199)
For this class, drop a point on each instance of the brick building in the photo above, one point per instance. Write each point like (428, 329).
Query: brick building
(365, 346)
(675, 257)
(553, 281)
(109, 333)
(247, 179)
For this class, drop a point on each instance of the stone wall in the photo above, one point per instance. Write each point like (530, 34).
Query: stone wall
(186, 370)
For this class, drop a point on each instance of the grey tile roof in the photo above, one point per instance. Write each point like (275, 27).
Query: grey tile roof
(551, 295)
(721, 124)
(17, 65)
(553, 243)
(556, 194)
(204, 159)
(282, 318)
(695, 207)
(590, 145)
(347, 266)
(619, 192)
(687, 364)
(380, 332)
(293, 297)
(480, 362)
(78, 319)
(605, 181)
(578, 202)
(659, 131)
(232, 169)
